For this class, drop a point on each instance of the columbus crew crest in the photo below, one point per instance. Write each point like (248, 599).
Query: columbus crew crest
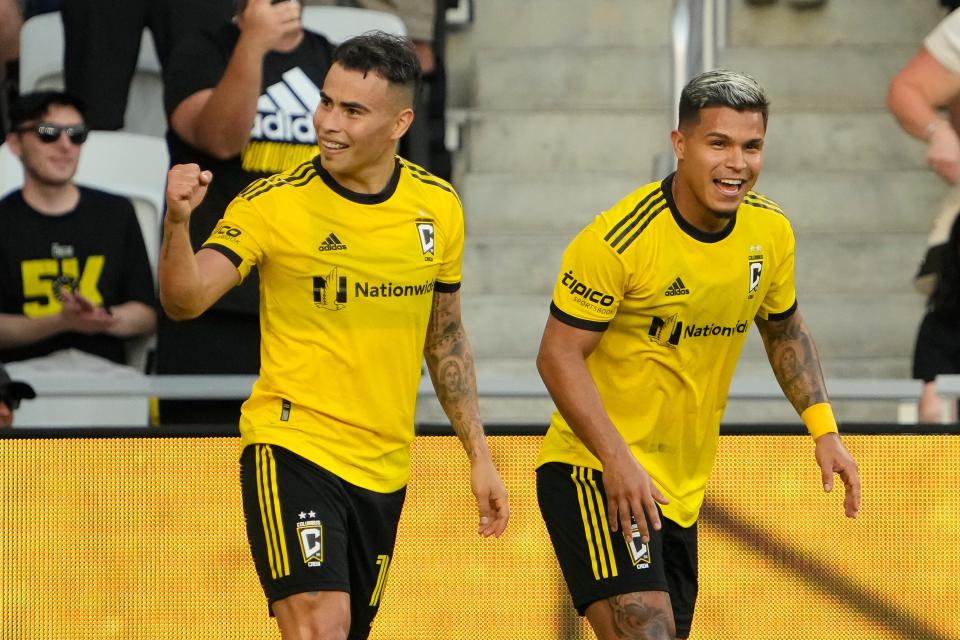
(755, 268)
(425, 232)
(639, 551)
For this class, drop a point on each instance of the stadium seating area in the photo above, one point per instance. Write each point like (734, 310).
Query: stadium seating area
(534, 166)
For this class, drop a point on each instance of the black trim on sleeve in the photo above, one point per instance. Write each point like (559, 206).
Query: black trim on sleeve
(566, 318)
(230, 255)
(783, 315)
(446, 287)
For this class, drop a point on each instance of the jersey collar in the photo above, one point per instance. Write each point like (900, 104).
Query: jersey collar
(353, 196)
(666, 186)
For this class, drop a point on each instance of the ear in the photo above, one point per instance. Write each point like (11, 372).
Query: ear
(679, 142)
(402, 123)
(13, 141)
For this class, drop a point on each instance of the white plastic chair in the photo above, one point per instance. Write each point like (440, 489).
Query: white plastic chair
(127, 164)
(337, 24)
(41, 67)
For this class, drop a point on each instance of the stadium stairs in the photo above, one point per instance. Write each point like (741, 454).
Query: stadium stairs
(566, 107)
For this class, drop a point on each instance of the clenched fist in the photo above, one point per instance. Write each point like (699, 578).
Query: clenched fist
(186, 186)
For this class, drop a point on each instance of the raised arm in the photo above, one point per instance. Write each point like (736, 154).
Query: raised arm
(450, 362)
(218, 120)
(562, 363)
(189, 283)
(915, 94)
(796, 364)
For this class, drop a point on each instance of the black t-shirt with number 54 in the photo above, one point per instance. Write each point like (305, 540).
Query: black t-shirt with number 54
(96, 250)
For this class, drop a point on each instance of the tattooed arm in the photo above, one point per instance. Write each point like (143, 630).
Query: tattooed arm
(796, 365)
(450, 362)
(794, 359)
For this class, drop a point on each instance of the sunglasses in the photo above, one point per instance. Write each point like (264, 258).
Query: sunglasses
(49, 133)
(10, 400)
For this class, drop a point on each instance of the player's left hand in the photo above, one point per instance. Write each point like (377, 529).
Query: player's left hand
(833, 457)
(491, 495)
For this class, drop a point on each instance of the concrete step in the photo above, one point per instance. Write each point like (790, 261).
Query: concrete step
(505, 24)
(836, 22)
(826, 263)
(835, 78)
(574, 77)
(525, 142)
(562, 203)
(855, 325)
(829, 78)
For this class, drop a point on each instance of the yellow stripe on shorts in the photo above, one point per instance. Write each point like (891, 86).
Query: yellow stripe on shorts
(270, 513)
(593, 515)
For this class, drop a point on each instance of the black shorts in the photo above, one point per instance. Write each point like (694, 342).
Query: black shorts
(309, 530)
(937, 351)
(596, 562)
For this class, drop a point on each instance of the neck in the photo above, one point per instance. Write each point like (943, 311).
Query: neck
(290, 43)
(694, 211)
(52, 200)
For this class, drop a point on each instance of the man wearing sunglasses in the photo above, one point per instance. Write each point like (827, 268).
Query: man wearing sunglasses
(74, 272)
(11, 393)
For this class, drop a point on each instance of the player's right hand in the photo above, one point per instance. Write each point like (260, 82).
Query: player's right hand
(186, 186)
(631, 496)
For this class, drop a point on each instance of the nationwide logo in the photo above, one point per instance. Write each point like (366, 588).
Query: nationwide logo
(330, 291)
(677, 288)
(332, 243)
(285, 110)
(667, 332)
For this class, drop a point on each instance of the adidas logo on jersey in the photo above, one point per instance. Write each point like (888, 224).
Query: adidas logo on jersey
(332, 243)
(677, 288)
(285, 110)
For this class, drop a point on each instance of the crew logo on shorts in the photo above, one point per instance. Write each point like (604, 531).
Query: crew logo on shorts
(639, 551)
(310, 534)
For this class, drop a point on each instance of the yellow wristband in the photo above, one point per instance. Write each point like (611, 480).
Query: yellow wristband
(819, 419)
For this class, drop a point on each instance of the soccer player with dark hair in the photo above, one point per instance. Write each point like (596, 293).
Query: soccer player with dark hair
(651, 309)
(359, 253)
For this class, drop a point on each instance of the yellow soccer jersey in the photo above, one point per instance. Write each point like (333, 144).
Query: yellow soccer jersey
(675, 305)
(346, 288)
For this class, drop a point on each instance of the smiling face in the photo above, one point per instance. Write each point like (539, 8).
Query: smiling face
(360, 118)
(718, 161)
(48, 164)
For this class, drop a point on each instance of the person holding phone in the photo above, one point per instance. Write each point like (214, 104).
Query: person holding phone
(240, 100)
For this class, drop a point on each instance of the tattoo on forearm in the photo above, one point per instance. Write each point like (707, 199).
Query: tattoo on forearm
(794, 359)
(450, 362)
(636, 620)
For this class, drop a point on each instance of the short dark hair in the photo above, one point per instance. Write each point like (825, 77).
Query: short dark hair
(721, 88)
(391, 57)
(31, 106)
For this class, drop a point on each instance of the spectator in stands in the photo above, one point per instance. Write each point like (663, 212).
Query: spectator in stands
(240, 102)
(11, 393)
(102, 43)
(931, 81)
(74, 271)
(937, 349)
(425, 21)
